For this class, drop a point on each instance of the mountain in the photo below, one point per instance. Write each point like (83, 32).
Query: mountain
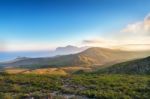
(68, 50)
(139, 66)
(90, 57)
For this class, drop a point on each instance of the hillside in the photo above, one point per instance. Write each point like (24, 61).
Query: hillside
(139, 66)
(89, 57)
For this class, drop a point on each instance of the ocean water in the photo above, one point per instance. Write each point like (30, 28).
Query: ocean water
(6, 56)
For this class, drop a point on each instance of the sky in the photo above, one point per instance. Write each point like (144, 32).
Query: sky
(46, 24)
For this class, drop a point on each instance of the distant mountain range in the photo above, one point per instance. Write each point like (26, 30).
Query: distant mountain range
(6, 56)
(67, 50)
(139, 66)
(90, 57)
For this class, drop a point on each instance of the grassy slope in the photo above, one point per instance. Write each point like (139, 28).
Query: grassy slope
(139, 66)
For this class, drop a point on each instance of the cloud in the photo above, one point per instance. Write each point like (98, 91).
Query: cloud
(99, 42)
(92, 41)
(139, 28)
(136, 36)
(136, 33)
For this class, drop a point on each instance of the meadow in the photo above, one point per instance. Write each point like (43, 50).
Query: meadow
(91, 86)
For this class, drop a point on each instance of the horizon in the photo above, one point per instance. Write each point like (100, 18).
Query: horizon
(37, 25)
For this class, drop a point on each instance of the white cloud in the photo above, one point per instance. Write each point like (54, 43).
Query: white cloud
(137, 34)
(99, 42)
(139, 28)
(94, 41)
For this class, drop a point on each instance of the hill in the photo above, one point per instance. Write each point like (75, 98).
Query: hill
(90, 57)
(139, 66)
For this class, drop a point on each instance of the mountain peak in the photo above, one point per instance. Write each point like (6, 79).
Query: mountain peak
(98, 50)
(69, 49)
(66, 47)
(71, 46)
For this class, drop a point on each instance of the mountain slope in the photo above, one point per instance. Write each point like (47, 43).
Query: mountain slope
(139, 66)
(101, 56)
(89, 57)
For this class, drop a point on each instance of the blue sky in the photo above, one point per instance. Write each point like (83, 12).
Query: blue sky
(46, 24)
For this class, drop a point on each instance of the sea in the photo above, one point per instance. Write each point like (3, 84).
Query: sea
(8, 56)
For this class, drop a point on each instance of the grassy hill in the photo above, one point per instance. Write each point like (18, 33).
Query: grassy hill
(139, 66)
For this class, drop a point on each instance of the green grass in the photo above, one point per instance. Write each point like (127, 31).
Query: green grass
(114, 86)
(103, 86)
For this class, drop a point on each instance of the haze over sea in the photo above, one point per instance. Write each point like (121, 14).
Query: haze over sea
(6, 56)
